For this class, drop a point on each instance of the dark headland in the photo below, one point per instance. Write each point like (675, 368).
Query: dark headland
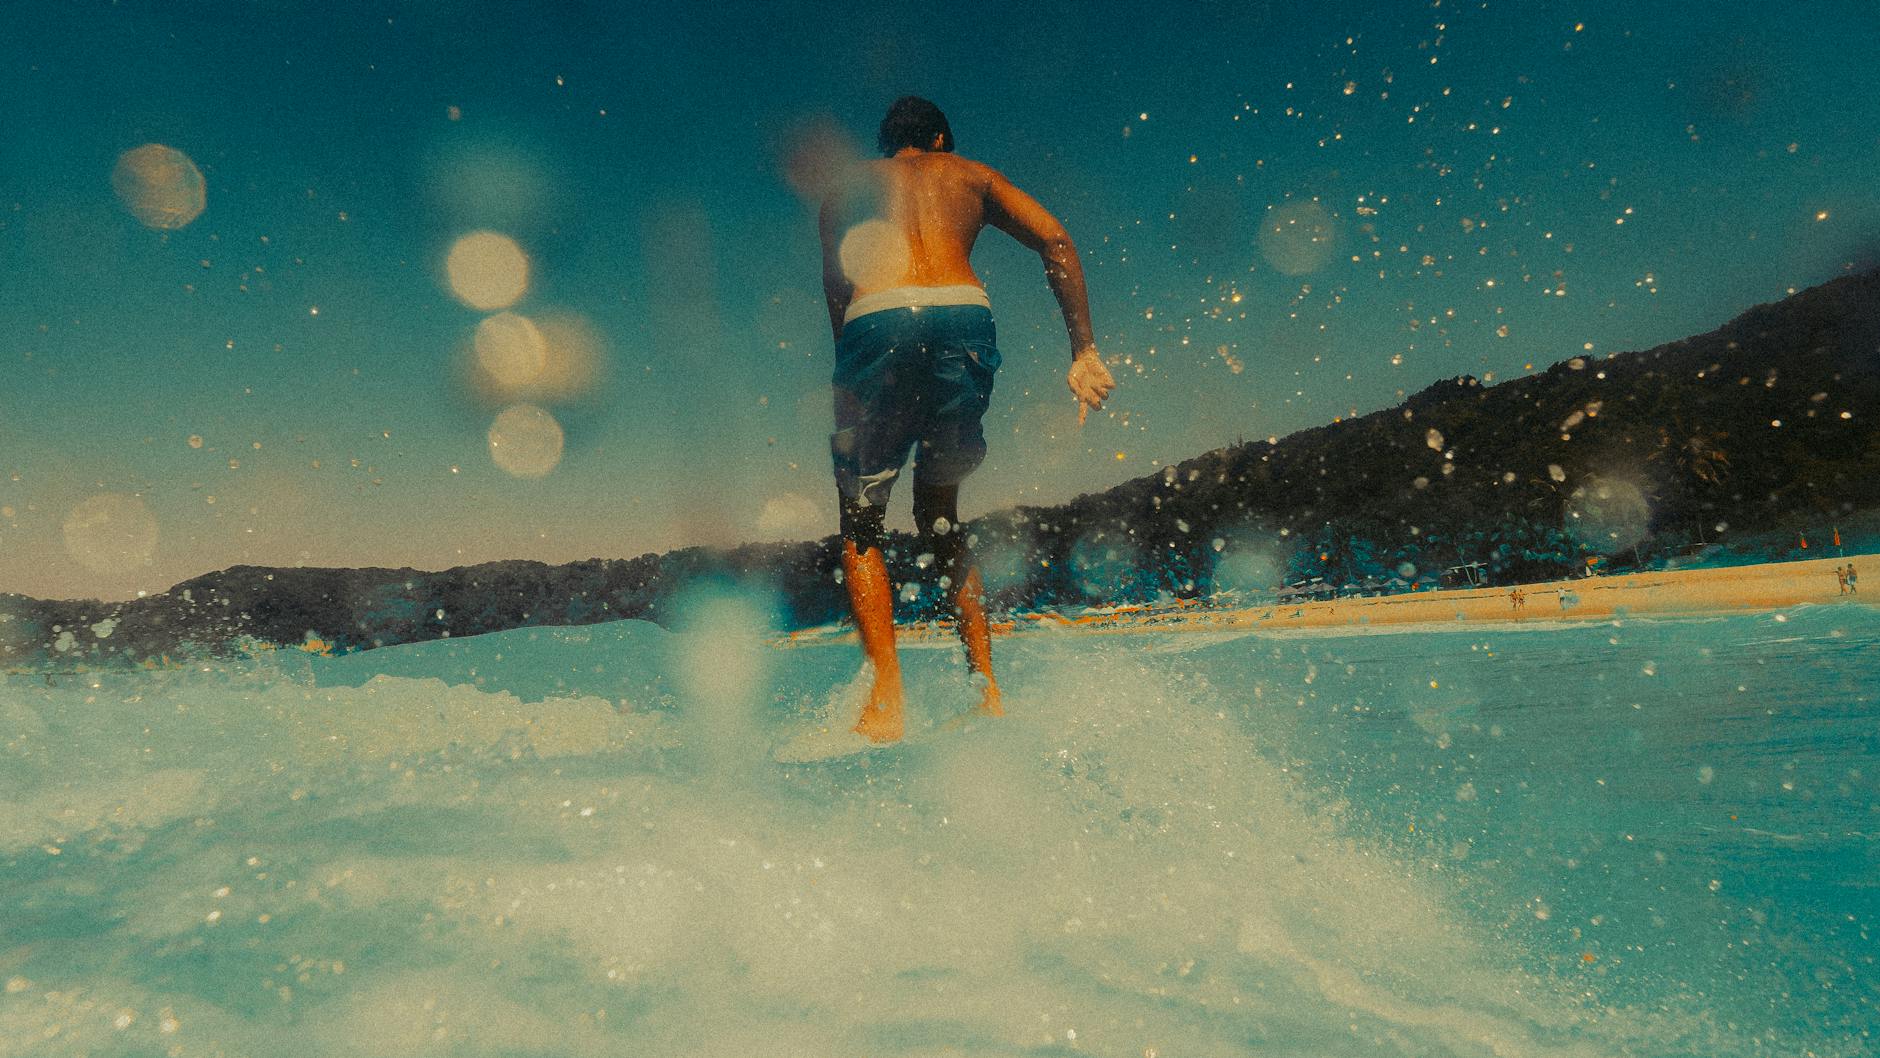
(1730, 446)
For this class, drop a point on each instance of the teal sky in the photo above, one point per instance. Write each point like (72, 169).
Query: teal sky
(1502, 184)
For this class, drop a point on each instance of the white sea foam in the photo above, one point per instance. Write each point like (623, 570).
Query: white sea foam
(426, 866)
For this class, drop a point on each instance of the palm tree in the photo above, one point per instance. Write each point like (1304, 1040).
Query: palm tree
(1697, 452)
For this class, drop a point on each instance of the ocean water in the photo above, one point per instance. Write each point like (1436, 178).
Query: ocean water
(1633, 838)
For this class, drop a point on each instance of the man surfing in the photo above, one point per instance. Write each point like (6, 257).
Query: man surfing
(915, 359)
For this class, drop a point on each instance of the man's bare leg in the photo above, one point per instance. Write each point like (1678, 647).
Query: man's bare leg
(871, 596)
(969, 607)
(936, 512)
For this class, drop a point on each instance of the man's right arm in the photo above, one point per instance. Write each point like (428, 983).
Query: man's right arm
(1019, 215)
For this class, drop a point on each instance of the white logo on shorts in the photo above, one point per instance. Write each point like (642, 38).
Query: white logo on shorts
(869, 481)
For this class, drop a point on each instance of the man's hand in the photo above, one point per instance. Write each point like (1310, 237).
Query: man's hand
(1090, 381)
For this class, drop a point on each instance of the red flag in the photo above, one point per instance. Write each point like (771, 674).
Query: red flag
(1837, 536)
(1804, 541)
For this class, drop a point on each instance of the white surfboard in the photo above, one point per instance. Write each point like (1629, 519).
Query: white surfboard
(826, 742)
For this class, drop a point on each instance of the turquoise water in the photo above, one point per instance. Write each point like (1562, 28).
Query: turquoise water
(1647, 837)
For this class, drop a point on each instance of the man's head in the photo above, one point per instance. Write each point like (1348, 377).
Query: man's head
(914, 122)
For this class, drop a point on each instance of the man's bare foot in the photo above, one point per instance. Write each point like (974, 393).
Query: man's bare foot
(879, 725)
(881, 718)
(993, 703)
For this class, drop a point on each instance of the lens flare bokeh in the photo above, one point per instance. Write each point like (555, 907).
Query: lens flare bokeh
(1298, 237)
(111, 533)
(815, 157)
(792, 516)
(874, 254)
(511, 350)
(487, 270)
(1608, 515)
(160, 186)
(526, 441)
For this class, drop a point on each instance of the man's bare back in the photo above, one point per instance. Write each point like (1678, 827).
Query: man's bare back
(936, 203)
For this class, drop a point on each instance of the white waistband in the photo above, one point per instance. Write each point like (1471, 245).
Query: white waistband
(917, 297)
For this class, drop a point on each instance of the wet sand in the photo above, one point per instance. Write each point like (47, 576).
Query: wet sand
(1684, 592)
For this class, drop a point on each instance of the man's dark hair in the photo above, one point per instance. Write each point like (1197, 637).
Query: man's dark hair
(913, 122)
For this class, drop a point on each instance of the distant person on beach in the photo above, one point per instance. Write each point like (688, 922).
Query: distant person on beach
(915, 359)
(1853, 580)
(1517, 599)
(1840, 578)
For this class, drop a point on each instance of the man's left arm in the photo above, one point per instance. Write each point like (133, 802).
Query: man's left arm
(837, 290)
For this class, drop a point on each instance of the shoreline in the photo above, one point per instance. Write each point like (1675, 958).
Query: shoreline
(1666, 593)
(1708, 591)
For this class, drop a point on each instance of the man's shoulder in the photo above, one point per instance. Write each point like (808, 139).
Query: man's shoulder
(969, 175)
(863, 181)
(971, 165)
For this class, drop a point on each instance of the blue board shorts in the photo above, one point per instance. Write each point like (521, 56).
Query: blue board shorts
(911, 378)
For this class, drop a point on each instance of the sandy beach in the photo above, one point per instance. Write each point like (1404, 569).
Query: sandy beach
(1768, 586)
